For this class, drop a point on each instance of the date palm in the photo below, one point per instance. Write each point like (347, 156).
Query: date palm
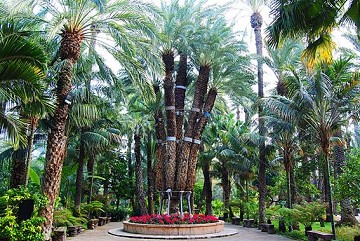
(256, 22)
(76, 21)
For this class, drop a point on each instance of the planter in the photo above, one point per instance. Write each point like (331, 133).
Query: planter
(307, 228)
(174, 229)
(92, 223)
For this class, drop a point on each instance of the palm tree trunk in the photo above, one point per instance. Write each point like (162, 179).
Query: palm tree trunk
(292, 185)
(207, 187)
(139, 176)
(170, 165)
(130, 172)
(347, 213)
(197, 132)
(256, 23)
(200, 91)
(90, 169)
(30, 142)
(18, 170)
(150, 177)
(56, 145)
(79, 173)
(225, 183)
(160, 148)
(288, 167)
(330, 210)
(180, 89)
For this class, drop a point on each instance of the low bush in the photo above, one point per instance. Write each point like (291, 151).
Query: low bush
(14, 229)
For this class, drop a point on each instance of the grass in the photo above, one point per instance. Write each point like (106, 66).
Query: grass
(342, 233)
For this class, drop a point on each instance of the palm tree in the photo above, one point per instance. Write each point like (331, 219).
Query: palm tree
(256, 21)
(76, 21)
(314, 20)
(317, 106)
(22, 66)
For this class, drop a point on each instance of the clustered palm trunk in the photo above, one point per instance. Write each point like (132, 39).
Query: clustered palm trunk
(180, 175)
(256, 23)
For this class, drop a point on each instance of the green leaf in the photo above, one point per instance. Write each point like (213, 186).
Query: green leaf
(34, 177)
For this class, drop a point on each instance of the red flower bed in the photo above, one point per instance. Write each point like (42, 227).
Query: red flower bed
(174, 219)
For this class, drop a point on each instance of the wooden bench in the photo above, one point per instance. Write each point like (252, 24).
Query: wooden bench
(59, 234)
(249, 223)
(102, 221)
(72, 231)
(235, 220)
(269, 228)
(315, 235)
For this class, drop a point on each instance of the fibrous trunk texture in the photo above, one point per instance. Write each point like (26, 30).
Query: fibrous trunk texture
(56, 146)
(207, 187)
(197, 132)
(200, 91)
(18, 169)
(139, 177)
(256, 23)
(150, 177)
(180, 90)
(170, 165)
(57, 140)
(79, 173)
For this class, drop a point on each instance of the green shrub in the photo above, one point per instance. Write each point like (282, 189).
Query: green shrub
(117, 215)
(308, 213)
(64, 217)
(13, 230)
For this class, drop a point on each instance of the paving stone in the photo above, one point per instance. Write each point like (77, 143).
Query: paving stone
(243, 234)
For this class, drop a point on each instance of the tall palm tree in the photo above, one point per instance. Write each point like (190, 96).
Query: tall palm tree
(22, 67)
(124, 22)
(256, 22)
(317, 106)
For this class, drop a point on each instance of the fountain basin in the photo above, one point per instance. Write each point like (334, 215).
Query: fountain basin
(174, 229)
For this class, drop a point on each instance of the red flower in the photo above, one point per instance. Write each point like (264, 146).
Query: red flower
(174, 219)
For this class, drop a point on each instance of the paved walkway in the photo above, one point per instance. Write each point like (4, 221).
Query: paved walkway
(245, 234)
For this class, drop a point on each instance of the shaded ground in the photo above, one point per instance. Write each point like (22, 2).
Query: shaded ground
(245, 234)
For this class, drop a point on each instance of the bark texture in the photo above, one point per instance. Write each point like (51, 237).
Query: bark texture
(18, 169)
(170, 165)
(56, 146)
(79, 174)
(150, 177)
(207, 187)
(256, 23)
(139, 177)
(198, 130)
(200, 91)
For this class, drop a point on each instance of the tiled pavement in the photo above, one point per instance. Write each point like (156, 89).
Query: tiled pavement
(244, 234)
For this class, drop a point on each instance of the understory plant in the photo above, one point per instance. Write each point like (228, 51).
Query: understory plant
(11, 227)
(308, 213)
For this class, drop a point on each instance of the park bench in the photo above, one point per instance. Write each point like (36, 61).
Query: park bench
(316, 235)
(269, 228)
(249, 223)
(72, 231)
(59, 234)
(235, 220)
(102, 221)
